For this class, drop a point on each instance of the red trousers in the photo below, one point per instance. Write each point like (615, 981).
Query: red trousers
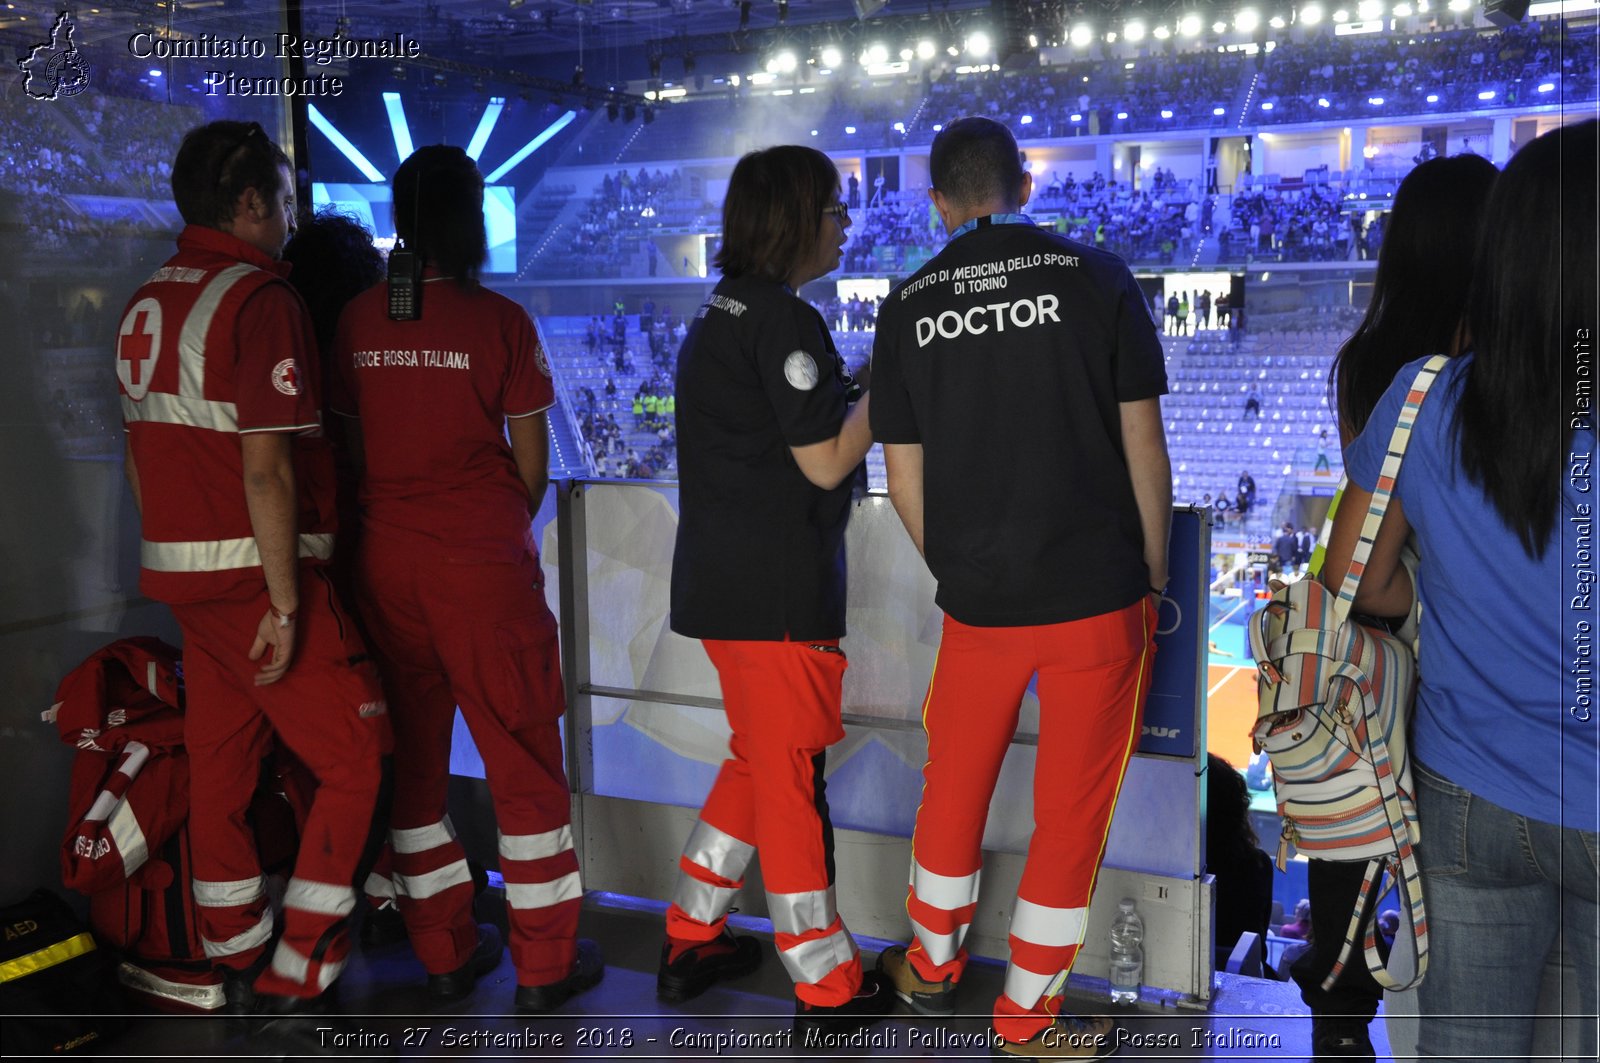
(477, 636)
(329, 711)
(1094, 675)
(783, 704)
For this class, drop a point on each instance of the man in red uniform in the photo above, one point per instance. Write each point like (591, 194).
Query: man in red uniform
(1015, 341)
(452, 592)
(234, 486)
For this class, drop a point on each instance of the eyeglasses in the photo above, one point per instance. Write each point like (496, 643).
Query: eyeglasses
(838, 210)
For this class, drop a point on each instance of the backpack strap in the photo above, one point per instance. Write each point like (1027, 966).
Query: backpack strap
(1408, 881)
(1387, 475)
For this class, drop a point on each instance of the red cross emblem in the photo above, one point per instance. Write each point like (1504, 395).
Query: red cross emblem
(286, 377)
(139, 346)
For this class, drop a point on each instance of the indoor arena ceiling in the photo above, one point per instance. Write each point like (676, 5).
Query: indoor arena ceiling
(525, 27)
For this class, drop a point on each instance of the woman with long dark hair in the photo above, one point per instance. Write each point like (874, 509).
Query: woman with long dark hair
(769, 436)
(1419, 298)
(447, 404)
(1504, 746)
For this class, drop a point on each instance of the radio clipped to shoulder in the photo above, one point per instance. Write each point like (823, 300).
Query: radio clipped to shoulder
(405, 284)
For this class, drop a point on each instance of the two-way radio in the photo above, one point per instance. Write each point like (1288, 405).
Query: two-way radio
(405, 270)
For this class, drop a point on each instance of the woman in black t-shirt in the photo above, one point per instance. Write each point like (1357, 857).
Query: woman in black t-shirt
(767, 442)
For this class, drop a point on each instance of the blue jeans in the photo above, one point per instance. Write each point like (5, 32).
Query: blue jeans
(1499, 888)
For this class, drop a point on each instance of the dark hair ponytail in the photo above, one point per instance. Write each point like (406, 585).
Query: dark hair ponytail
(438, 210)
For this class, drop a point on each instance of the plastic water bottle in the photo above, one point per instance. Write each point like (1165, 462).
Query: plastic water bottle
(1127, 954)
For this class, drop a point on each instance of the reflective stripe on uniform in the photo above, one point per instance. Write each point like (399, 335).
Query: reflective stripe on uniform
(288, 962)
(128, 837)
(228, 894)
(812, 961)
(433, 883)
(717, 851)
(255, 937)
(192, 340)
(421, 839)
(941, 948)
(159, 407)
(535, 846)
(220, 555)
(527, 895)
(948, 892)
(378, 886)
(703, 901)
(1025, 987)
(795, 913)
(199, 997)
(1051, 927)
(319, 897)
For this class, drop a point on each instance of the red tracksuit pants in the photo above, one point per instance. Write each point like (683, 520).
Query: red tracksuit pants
(783, 703)
(478, 636)
(1094, 675)
(329, 710)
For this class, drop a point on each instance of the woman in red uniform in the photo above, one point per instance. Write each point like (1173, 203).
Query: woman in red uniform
(452, 591)
(768, 440)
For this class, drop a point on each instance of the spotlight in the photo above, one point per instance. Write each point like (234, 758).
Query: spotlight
(906, 54)
(1161, 33)
(1433, 97)
(1134, 31)
(831, 57)
(1218, 112)
(1219, 28)
(1341, 15)
(783, 63)
(1247, 20)
(875, 55)
(1402, 11)
(1081, 35)
(1276, 22)
(1370, 9)
(1189, 25)
(1460, 5)
(925, 50)
(1165, 113)
(978, 45)
(1311, 14)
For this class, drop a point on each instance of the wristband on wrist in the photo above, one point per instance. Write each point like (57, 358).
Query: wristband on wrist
(1159, 590)
(282, 619)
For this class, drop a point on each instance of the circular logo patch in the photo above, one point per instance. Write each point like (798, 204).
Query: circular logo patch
(800, 370)
(540, 359)
(286, 377)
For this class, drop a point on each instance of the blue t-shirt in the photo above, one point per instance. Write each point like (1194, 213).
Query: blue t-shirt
(1495, 708)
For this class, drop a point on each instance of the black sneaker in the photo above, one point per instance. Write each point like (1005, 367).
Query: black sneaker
(813, 1023)
(456, 984)
(699, 968)
(1340, 1037)
(238, 987)
(587, 970)
(382, 926)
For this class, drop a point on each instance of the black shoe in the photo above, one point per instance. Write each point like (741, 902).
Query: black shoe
(238, 987)
(382, 926)
(587, 970)
(699, 968)
(872, 1001)
(294, 1027)
(456, 984)
(1340, 1037)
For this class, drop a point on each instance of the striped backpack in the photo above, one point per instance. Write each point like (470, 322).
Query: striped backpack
(1334, 701)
